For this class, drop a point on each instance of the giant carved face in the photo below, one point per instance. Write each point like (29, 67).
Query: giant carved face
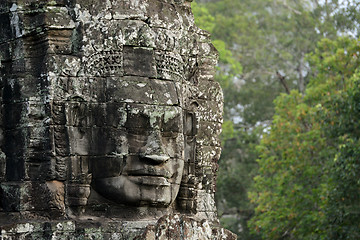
(150, 157)
(138, 150)
(129, 108)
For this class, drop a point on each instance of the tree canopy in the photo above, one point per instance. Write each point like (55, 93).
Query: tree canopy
(280, 63)
(297, 189)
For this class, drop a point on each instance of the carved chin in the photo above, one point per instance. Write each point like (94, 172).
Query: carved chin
(137, 191)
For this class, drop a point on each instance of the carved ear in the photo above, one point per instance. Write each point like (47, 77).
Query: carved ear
(190, 133)
(187, 192)
(190, 125)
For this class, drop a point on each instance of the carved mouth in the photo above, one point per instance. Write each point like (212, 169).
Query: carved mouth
(149, 180)
(150, 172)
(150, 176)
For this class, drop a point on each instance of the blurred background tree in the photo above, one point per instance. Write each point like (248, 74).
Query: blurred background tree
(308, 181)
(263, 47)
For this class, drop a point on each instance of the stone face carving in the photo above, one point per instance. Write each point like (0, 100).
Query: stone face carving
(109, 110)
(148, 163)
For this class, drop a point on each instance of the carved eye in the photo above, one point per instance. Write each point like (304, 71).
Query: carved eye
(172, 125)
(137, 120)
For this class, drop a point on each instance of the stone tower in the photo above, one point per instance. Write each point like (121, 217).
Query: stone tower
(110, 121)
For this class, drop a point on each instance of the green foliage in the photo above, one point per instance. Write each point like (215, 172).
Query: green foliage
(267, 37)
(307, 186)
(226, 57)
(203, 18)
(206, 21)
(342, 114)
(289, 185)
(234, 177)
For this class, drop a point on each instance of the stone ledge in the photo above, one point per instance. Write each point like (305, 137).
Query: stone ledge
(172, 226)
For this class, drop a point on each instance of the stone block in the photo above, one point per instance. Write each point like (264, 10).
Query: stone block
(2, 166)
(31, 24)
(59, 88)
(37, 110)
(58, 116)
(173, 146)
(37, 165)
(139, 62)
(142, 90)
(129, 89)
(169, 66)
(129, 10)
(58, 168)
(60, 41)
(12, 195)
(105, 140)
(154, 117)
(97, 9)
(86, 89)
(115, 114)
(56, 192)
(15, 115)
(34, 66)
(106, 166)
(77, 89)
(207, 155)
(78, 168)
(105, 63)
(58, 17)
(5, 58)
(210, 90)
(168, 11)
(60, 140)
(84, 114)
(5, 30)
(38, 155)
(20, 89)
(40, 230)
(16, 68)
(137, 33)
(86, 141)
(79, 140)
(187, 43)
(209, 111)
(20, 196)
(64, 65)
(207, 50)
(205, 201)
(180, 226)
(15, 149)
(166, 39)
(207, 133)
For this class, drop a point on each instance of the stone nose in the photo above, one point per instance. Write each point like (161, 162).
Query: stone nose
(154, 149)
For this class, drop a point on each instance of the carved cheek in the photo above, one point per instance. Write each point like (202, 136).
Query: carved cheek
(136, 141)
(174, 145)
(177, 167)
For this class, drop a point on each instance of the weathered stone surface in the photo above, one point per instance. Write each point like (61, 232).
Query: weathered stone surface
(181, 227)
(110, 121)
(135, 66)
